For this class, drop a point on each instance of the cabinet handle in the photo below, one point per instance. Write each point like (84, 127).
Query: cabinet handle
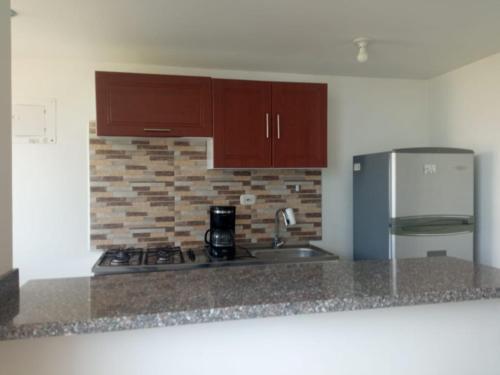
(267, 125)
(157, 130)
(278, 125)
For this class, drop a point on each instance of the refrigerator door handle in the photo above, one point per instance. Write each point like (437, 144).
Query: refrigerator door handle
(431, 225)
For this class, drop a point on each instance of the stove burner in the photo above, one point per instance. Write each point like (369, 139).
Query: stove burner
(164, 256)
(120, 258)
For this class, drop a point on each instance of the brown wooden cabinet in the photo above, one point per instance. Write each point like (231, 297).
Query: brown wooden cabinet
(153, 105)
(243, 133)
(300, 110)
(269, 124)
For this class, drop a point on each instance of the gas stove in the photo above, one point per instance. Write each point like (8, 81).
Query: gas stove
(167, 259)
(144, 260)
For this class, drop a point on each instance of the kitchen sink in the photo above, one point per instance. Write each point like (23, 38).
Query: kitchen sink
(288, 252)
(291, 254)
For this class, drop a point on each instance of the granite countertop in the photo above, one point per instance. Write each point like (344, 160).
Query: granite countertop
(132, 301)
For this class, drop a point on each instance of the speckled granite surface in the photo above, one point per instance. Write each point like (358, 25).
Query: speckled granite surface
(132, 301)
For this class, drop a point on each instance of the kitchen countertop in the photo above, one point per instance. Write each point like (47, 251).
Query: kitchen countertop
(143, 300)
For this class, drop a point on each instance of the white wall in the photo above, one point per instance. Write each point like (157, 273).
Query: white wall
(5, 141)
(464, 112)
(51, 181)
(447, 339)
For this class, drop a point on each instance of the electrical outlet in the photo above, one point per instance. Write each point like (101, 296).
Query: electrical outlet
(247, 199)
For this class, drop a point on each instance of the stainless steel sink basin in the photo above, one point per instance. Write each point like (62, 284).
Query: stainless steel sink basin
(291, 254)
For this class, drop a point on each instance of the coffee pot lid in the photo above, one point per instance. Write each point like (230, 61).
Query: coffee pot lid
(223, 209)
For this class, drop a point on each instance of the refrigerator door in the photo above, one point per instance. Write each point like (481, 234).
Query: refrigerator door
(459, 245)
(438, 183)
(432, 203)
(414, 237)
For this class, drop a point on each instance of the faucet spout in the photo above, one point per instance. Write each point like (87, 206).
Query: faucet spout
(288, 219)
(277, 242)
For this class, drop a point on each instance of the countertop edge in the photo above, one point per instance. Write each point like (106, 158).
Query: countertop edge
(219, 314)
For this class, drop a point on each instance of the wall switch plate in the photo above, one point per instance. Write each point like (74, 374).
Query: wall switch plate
(247, 199)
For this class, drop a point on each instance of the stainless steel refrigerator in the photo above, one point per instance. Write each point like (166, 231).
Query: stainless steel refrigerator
(411, 203)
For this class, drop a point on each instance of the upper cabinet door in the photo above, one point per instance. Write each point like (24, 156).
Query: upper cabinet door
(153, 105)
(242, 124)
(300, 125)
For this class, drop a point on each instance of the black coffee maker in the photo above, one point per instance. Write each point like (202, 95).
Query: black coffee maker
(220, 236)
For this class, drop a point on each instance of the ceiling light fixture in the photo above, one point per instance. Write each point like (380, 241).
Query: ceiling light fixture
(13, 13)
(362, 44)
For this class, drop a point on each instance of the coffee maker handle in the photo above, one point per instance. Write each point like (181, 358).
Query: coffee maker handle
(206, 233)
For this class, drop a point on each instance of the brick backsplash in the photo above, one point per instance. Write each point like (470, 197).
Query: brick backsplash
(147, 192)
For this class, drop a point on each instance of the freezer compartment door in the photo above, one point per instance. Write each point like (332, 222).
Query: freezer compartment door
(459, 245)
(432, 184)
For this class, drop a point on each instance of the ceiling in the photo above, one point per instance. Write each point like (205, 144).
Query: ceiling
(413, 39)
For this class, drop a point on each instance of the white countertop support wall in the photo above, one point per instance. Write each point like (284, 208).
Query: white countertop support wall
(453, 338)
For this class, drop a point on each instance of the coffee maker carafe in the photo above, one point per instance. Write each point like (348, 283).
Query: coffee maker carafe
(220, 236)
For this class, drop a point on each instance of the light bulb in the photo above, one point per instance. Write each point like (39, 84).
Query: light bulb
(362, 44)
(362, 55)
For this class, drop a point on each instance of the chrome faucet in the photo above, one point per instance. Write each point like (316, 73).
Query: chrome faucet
(288, 220)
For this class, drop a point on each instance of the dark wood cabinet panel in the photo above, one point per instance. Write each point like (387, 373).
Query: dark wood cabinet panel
(153, 105)
(242, 124)
(269, 124)
(300, 125)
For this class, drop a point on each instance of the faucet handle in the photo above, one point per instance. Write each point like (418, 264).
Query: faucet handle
(277, 242)
(289, 217)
